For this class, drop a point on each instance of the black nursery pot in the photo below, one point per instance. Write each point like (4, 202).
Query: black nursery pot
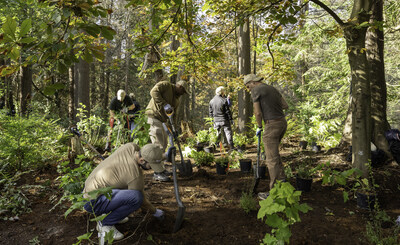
(303, 184)
(303, 144)
(365, 201)
(209, 149)
(245, 165)
(199, 147)
(185, 169)
(221, 169)
(261, 171)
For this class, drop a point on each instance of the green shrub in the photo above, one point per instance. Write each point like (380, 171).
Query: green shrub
(280, 211)
(202, 158)
(12, 200)
(222, 161)
(247, 202)
(28, 143)
(141, 132)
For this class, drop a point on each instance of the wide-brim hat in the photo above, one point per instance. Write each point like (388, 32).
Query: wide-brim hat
(252, 78)
(184, 84)
(153, 155)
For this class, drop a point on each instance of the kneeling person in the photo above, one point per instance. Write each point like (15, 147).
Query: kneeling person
(122, 171)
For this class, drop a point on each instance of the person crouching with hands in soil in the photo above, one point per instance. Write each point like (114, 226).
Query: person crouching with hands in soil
(122, 171)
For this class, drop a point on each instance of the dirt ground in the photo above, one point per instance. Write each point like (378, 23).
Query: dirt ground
(213, 214)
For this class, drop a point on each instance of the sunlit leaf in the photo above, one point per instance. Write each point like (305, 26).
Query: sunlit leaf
(25, 27)
(9, 27)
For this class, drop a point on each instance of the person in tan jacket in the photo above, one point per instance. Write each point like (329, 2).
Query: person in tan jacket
(165, 98)
(122, 171)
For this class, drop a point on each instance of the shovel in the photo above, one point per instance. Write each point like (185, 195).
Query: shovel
(77, 133)
(256, 173)
(186, 168)
(181, 207)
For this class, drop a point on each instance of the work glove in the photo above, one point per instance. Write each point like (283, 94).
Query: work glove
(168, 109)
(159, 214)
(124, 110)
(170, 151)
(259, 130)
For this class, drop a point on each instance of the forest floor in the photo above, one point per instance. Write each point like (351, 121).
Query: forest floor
(213, 214)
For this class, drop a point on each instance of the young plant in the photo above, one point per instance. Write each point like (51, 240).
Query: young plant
(202, 136)
(222, 161)
(280, 211)
(304, 171)
(239, 139)
(202, 158)
(247, 202)
(236, 156)
(141, 132)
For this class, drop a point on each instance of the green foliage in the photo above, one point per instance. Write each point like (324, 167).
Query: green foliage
(376, 235)
(239, 139)
(202, 158)
(28, 143)
(89, 127)
(222, 161)
(141, 132)
(305, 171)
(13, 202)
(72, 178)
(235, 157)
(247, 202)
(202, 136)
(281, 210)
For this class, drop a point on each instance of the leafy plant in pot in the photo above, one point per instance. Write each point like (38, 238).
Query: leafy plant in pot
(202, 158)
(304, 177)
(222, 164)
(240, 140)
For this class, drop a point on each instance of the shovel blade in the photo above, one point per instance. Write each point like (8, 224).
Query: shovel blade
(179, 218)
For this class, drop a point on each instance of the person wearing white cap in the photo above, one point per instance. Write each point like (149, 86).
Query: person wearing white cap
(122, 171)
(268, 106)
(119, 104)
(219, 110)
(165, 98)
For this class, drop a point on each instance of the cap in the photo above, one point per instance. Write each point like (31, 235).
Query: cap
(184, 84)
(153, 155)
(219, 90)
(121, 95)
(252, 78)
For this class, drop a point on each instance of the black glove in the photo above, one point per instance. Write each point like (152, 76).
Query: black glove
(171, 150)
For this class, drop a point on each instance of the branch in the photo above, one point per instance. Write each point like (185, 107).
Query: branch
(173, 20)
(187, 31)
(330, 11)
(34, 85)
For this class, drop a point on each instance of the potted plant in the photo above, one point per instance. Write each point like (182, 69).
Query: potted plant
(304, 177)
(202, 158)
(238, 160)
(222, 164)
(240, 140)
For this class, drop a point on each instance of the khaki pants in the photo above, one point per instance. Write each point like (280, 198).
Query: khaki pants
(272, 136)
(158, 135)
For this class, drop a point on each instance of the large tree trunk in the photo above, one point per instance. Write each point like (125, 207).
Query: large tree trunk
(93, 85)
(26, 90)
(361, 99)
(375, 56)
(245, 108)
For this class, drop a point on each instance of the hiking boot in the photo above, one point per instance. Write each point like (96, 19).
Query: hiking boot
(263, 195)
(161, 177)
(104, 229)
(124, 220)
(167, 173)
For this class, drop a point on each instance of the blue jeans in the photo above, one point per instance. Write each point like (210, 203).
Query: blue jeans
(122, 203)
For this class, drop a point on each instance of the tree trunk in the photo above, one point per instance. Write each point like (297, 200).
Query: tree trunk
(245, 108)
(375, 57)
(84, 86)
(361, 99)
(26, 90)
(93, 85)
(71, 97)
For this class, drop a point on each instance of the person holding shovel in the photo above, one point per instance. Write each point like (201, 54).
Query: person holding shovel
(268, 106)
(219, 110)
(165, 99)
(122, 171)
(119, 104)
